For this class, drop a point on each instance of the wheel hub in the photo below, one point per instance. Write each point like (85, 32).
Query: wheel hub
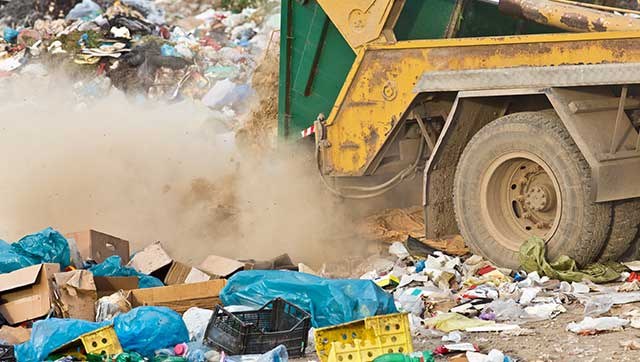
(520, 199)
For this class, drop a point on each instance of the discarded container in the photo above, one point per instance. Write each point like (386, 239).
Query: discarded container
(102, 341)
(251, 332)
(7, 353)
(425, 356)
(364, 340)
(27, 293)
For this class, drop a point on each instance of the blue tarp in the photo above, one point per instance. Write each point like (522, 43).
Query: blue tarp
(329, 301)
(112, 267)
(46, 246)
(143, 330)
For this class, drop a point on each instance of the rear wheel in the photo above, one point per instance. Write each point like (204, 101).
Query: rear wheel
(523, 176)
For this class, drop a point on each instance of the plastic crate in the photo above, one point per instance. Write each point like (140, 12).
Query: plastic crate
(7, 353)
(259, 331)
(103, 341)
(364, 340)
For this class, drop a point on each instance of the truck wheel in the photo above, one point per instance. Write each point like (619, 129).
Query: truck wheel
(624, 231)
(522, 176)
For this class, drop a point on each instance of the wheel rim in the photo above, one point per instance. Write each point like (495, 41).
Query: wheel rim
(520, 198)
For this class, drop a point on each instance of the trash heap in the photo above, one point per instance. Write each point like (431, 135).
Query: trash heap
(128, 46)
(82, 296)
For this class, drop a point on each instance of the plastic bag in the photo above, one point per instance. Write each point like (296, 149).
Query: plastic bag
(196, 320)
(112, 267)
(46, 246)
(87, 10)
(329, 302)
(589, 324)
(278, 354)
(147, 329)
(149, 9)
(50, 334)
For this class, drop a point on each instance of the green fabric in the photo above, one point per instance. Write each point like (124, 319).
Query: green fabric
(533, 258)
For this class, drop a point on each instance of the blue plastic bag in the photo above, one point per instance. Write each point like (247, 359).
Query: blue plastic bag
(143, 330)
(329, 302)
(46, 246)
(50, 334)
(112, 267)
(147, 329)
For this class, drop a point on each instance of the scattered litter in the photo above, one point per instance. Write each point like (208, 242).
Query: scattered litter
(594, 325)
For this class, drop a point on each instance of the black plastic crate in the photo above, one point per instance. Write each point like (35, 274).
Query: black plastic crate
(6, 353)
(259, 331)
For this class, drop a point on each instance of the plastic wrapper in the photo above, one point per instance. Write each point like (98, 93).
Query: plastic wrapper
(86, 10)
(46, 246)
(112, 267)
(147, 329)
(589, 325)
(329, 302)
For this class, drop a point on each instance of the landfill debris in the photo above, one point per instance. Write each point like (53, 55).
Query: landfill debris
(111, 306)
(27, 292)
(630, 345)
(533, 258)
(595, 325)
(76, 294)
(330, 302)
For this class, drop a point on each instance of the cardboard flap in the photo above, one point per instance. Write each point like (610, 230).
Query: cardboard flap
(150, 259)
(77, 279)
(19, 278)
(220, 266)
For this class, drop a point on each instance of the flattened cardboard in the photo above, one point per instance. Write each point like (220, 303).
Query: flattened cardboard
(27, 293)
(180, 297)
(99, 246)
(109, 285)
(180, 273)
(15, 335)
(76, 297)
(219, 266)
(152, 260)
(197, 276)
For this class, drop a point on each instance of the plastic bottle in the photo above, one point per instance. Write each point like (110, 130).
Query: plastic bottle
(425, 356)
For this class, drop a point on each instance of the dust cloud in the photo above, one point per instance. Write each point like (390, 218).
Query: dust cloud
(148, 172)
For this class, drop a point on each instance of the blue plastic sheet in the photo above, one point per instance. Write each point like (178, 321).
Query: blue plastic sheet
(112, 267)
(50, 334)
(147, 329)
(329, 302)
(143, 330)
(46, 246)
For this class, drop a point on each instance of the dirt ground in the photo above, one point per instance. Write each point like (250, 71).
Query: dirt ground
(550, 341)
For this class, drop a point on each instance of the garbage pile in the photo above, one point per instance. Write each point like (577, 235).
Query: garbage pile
(128, 46)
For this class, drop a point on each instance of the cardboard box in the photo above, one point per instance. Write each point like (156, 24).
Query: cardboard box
(109, 285)
(219, 266)
(15, 335)
(180, 273)
(180, 297)
(152, 260)
(76, 294)
(99, 246)
(27, 293)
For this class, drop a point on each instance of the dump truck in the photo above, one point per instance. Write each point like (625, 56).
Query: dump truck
(521, 116)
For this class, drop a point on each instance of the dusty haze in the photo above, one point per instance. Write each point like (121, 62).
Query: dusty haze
(148, 171)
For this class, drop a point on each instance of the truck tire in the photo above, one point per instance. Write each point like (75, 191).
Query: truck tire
(624, 231)
(522, 176)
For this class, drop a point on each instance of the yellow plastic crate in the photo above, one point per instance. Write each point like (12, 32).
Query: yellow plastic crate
(364, 340)
(103, 341)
